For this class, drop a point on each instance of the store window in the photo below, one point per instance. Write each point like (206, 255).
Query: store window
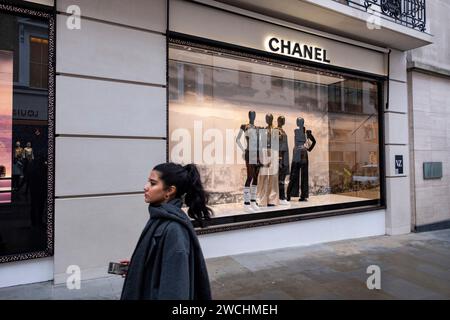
(270, 136)
(25, 228)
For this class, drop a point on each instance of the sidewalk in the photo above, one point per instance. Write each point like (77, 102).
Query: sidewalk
(414, 266)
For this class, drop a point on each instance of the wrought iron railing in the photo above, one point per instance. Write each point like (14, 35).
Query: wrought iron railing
(410, 13)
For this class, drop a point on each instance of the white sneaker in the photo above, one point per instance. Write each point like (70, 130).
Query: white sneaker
(284, 202)
(255, 207)
(248, 208)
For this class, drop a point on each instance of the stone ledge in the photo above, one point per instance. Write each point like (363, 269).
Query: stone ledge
(428, 69)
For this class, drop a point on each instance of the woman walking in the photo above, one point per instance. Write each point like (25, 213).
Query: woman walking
(168, 263)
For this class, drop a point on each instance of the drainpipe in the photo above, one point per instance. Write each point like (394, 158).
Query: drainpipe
(388, 78)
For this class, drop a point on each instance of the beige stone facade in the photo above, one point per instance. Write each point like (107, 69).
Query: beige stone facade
(429, 122)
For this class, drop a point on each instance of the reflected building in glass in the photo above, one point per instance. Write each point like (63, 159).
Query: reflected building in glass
(217, 90)
(24, 72)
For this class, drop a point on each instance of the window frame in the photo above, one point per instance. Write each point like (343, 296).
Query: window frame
(48, 15)
(250, 220)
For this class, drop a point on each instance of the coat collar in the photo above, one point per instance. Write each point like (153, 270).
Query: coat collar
(169, 210)
(176, 202)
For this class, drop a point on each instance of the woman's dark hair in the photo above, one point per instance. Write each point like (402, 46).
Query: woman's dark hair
(187, 181)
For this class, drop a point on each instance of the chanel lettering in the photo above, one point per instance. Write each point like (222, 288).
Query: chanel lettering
(298, 50)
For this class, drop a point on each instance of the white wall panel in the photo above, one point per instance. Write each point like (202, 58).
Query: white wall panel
(144, 14)
(398, 97)
(397, 70)
(102, 165)
(91, 232)
(98, 107)
(109, 51)
(396, 128)
(25, 272)
(294, 234)
(398, 203)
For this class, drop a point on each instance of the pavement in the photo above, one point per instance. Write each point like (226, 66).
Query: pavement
(414, 266)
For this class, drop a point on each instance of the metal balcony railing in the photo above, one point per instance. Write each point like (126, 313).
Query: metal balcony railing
(410, 13)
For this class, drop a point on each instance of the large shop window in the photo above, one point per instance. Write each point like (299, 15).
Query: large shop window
(270, 136)
(24, 97)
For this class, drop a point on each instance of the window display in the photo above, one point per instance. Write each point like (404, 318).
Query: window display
(24, 137)
(269, 135)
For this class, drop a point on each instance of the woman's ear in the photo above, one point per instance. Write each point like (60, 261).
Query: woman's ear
(171, 192)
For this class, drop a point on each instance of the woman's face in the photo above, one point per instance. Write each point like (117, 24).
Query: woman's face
(155, 191)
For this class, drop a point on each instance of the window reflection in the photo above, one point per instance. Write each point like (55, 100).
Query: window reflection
(38, 62)
(23, 134)
(210, 96)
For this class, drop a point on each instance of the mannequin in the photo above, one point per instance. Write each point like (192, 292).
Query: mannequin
(18, 151)
(283, 162)
(251, 157)
(17, 168)
(28, 157)
(268, 175)
(304, 143)
(28, 152)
